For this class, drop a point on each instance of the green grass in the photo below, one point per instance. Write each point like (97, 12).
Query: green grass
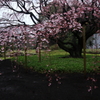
(93, 51)
(52, 62)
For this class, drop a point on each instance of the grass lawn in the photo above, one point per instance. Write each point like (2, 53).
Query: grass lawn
(53, 62)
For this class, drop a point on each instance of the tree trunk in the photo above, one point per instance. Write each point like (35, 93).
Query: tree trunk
(72, 42)
(74, 51)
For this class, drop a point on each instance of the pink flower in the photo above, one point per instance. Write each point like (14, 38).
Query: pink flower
(49, 84)
(90, 89)
(95, 87)
(0, 73)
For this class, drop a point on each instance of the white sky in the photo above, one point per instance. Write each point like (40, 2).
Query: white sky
(26, 18)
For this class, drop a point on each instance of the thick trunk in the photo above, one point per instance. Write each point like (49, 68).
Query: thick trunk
(74, 50)
(72, 42)
(76, 53)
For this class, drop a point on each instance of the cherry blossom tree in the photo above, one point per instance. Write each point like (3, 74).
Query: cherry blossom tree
(61, 21)
(64, 23)
(13, 27)
(16, 38)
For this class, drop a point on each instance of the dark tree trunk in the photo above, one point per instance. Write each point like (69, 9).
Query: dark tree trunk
(72, 42)
(74, 51)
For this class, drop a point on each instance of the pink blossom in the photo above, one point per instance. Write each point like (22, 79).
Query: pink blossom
(95, 87)
(0, 73)
(49, 84)
(90, 89)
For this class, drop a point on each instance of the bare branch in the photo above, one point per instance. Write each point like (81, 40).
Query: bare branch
(22, 8)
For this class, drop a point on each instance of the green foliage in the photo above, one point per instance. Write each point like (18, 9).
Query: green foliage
(58, 61)
(54, 47)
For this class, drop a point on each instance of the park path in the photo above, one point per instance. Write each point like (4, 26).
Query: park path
(18, 84)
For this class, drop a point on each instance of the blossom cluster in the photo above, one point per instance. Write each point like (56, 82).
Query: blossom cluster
(60, 21)
(16, 38)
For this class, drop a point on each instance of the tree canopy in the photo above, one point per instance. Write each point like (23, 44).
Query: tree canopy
(64, 23)
(61, 21)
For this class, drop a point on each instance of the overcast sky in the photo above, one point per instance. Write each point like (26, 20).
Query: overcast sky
(26, 18)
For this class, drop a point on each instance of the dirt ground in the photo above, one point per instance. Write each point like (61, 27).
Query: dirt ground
(17, 83)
